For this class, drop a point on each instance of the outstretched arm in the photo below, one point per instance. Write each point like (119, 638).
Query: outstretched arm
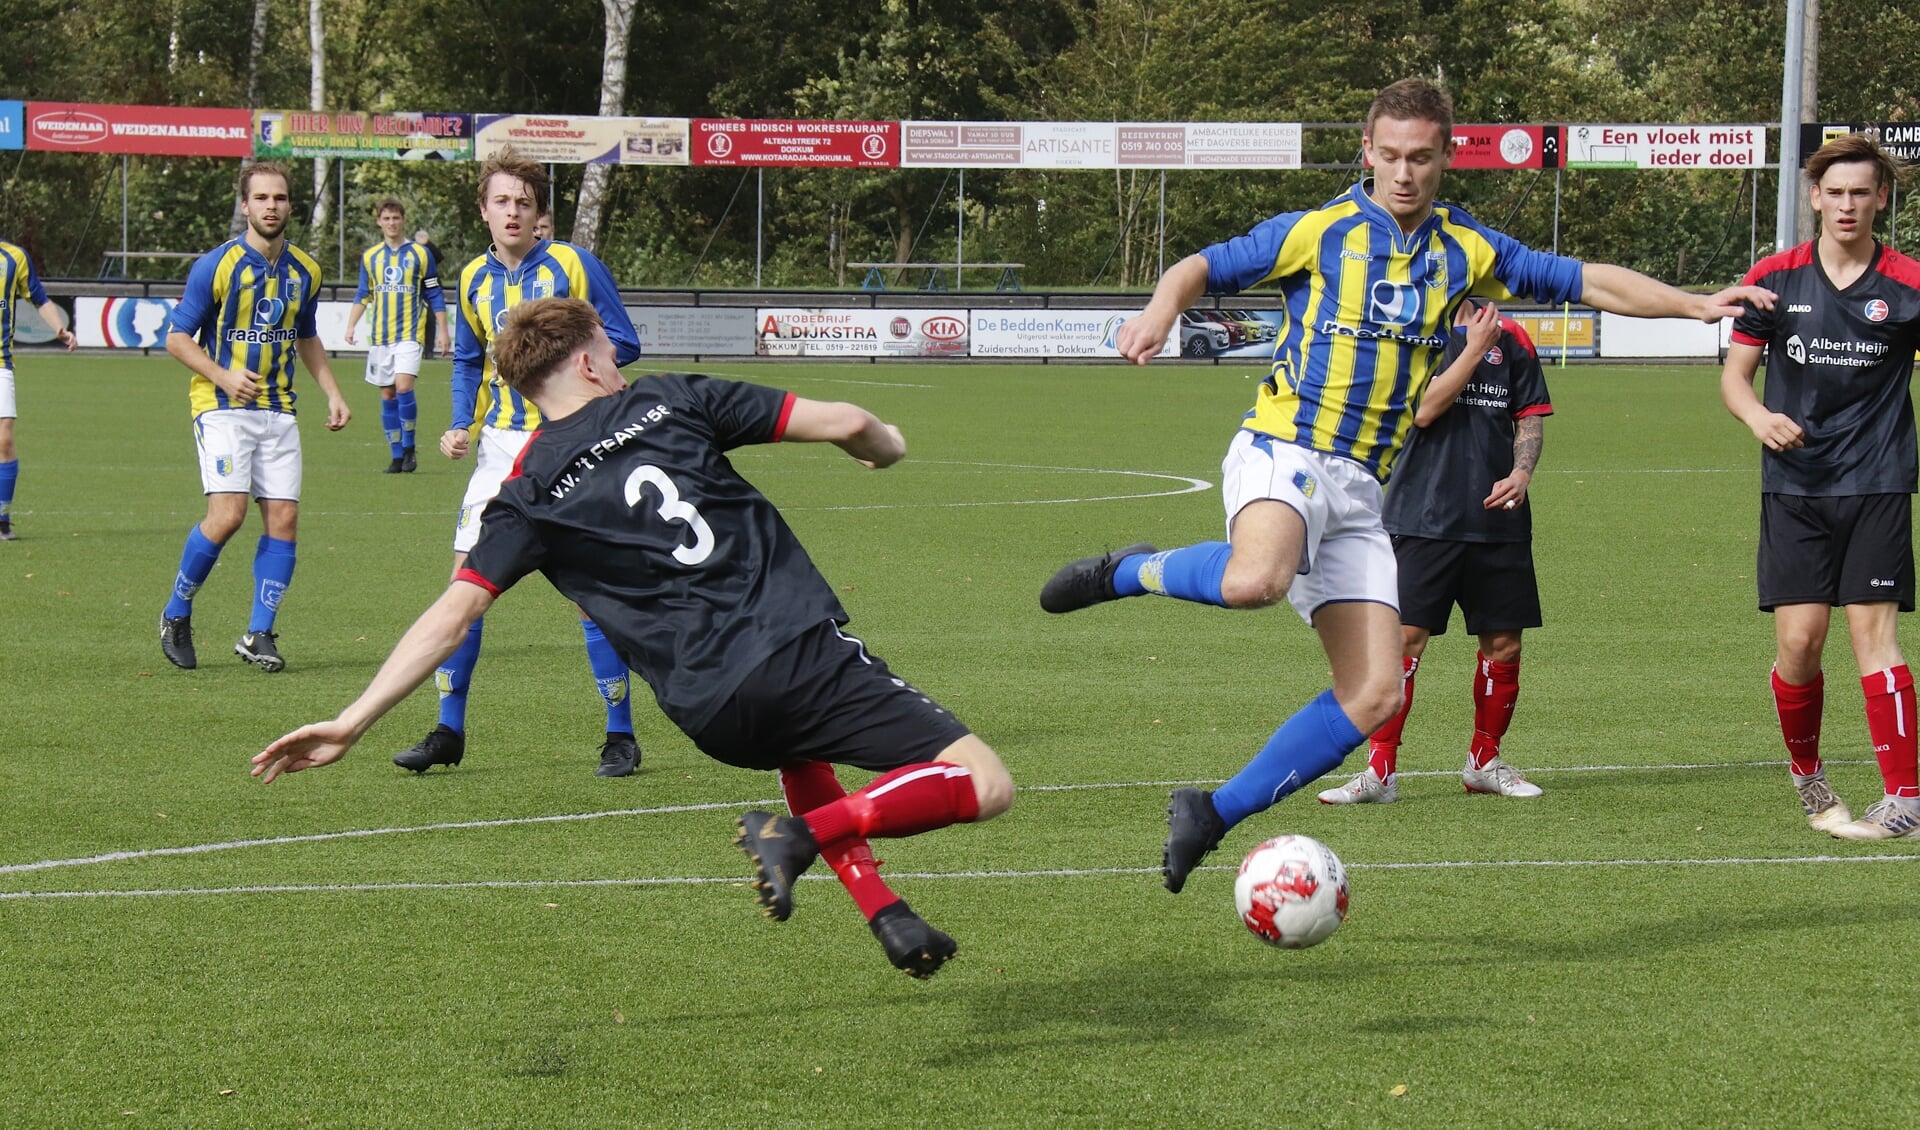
(437, 634)
(1142, 337)
(849, 427)
(1622, 291)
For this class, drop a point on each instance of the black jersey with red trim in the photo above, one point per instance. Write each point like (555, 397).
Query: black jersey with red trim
(632, 509)
(1839, 364)
(1450, 465)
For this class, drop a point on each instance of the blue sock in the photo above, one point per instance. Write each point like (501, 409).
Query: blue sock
(1306, 746)
(610, 675)
(390, 424)
(455, 676)
(272, 573)
(196, 561)
(1192, 573)
(409, 417)
(9, 476)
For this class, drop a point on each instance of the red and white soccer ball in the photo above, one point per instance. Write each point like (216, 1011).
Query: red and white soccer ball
(1292, 892)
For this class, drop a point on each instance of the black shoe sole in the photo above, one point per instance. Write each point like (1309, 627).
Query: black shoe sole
(771, 886)
(912, 946)
(271, 664)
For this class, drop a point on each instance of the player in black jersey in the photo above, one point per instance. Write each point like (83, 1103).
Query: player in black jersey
(626, 502)
(1837, 474)
(1462, 534)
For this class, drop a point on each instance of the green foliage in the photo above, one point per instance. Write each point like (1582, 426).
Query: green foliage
(1092, 60)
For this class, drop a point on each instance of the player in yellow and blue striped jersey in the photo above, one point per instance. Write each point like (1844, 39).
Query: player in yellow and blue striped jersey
(18, 280)
(400, 283)
(519, 267)
(247, 312)
(1370, 282)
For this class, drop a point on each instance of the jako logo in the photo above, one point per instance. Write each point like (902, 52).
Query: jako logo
(1876, 310)
(944, 328)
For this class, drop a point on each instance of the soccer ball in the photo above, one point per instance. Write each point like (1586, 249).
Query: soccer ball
(1292, 892)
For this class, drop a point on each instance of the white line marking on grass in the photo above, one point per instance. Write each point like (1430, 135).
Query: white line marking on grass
(1044, 873)
(667, 810)
(1190, 486)
(361, 833)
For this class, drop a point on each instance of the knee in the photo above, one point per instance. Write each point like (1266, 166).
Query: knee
(1251, 589)
(1375, 704)
(993, 789)
(1501, 649)
(1799, 652)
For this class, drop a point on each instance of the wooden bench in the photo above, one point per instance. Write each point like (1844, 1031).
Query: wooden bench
(935, 277)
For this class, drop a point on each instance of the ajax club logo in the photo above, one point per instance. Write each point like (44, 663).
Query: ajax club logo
(1876, 310)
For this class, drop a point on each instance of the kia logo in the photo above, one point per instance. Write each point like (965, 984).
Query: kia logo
(944, 329)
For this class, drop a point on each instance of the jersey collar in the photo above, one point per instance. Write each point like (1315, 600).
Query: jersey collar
(1362, 196)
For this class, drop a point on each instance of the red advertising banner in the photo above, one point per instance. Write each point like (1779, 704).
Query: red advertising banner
(85, 127)
(1506, 147)
(794, 144)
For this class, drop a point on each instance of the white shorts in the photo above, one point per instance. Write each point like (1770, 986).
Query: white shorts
(1348, 556)
(6, 395)
(384, 362)
(249, 451)
(493, 459)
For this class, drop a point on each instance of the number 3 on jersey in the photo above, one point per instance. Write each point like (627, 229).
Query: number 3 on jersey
(673, 509)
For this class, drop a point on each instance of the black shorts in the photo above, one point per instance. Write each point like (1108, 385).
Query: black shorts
(1492, 582)
(822, 697)
(1835, 551)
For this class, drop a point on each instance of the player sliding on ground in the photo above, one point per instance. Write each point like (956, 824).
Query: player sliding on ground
(626, 502)
(1372, 280)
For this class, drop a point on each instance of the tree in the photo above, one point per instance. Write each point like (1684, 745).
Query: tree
(613, 93)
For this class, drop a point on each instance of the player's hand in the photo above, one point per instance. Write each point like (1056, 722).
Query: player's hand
(337, 413)
(1141, 338)
(351, 340)
(443, 344)
(1779, 432)
(1483, 330)
(1508, 493)
(243, 385)
(895, 446)
(1727, 303)
(72, 339)
(309, 747)
(454, 442)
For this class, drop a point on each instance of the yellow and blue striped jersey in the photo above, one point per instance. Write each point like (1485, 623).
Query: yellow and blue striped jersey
(1367, 312)
(398, 286)
(17, 281)
(249, 313)
(488, 290)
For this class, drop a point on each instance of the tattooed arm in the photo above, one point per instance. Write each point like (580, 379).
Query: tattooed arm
(1509, 492)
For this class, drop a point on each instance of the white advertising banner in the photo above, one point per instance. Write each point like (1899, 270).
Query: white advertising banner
(1100, 145)
(1666, 147)
(580, 140)
(1052, 333)
(122, 323)
(685, 330)
(794, 332)
(1209, 145)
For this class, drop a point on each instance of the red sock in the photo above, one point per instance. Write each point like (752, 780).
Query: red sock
(1496, 687)
(910, 800)
(810, 784)
(1799, 708)
(1383, 748)
(1890, 725)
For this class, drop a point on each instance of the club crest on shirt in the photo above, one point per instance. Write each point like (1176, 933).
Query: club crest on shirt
(541, 288)
(1494, 356)
(1436, 270)
(291, 287)
(1876, 310)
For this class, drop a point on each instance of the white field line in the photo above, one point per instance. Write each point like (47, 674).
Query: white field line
(667, 810)
(1047, 873)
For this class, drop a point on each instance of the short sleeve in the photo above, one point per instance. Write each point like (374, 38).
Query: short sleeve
(1529, 389)
(739, 413)
(1253, 258)
(1755, 326)
(509, 546)
(196, 301)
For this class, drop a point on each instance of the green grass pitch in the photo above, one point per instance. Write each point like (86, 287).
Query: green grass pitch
(1658, 941)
